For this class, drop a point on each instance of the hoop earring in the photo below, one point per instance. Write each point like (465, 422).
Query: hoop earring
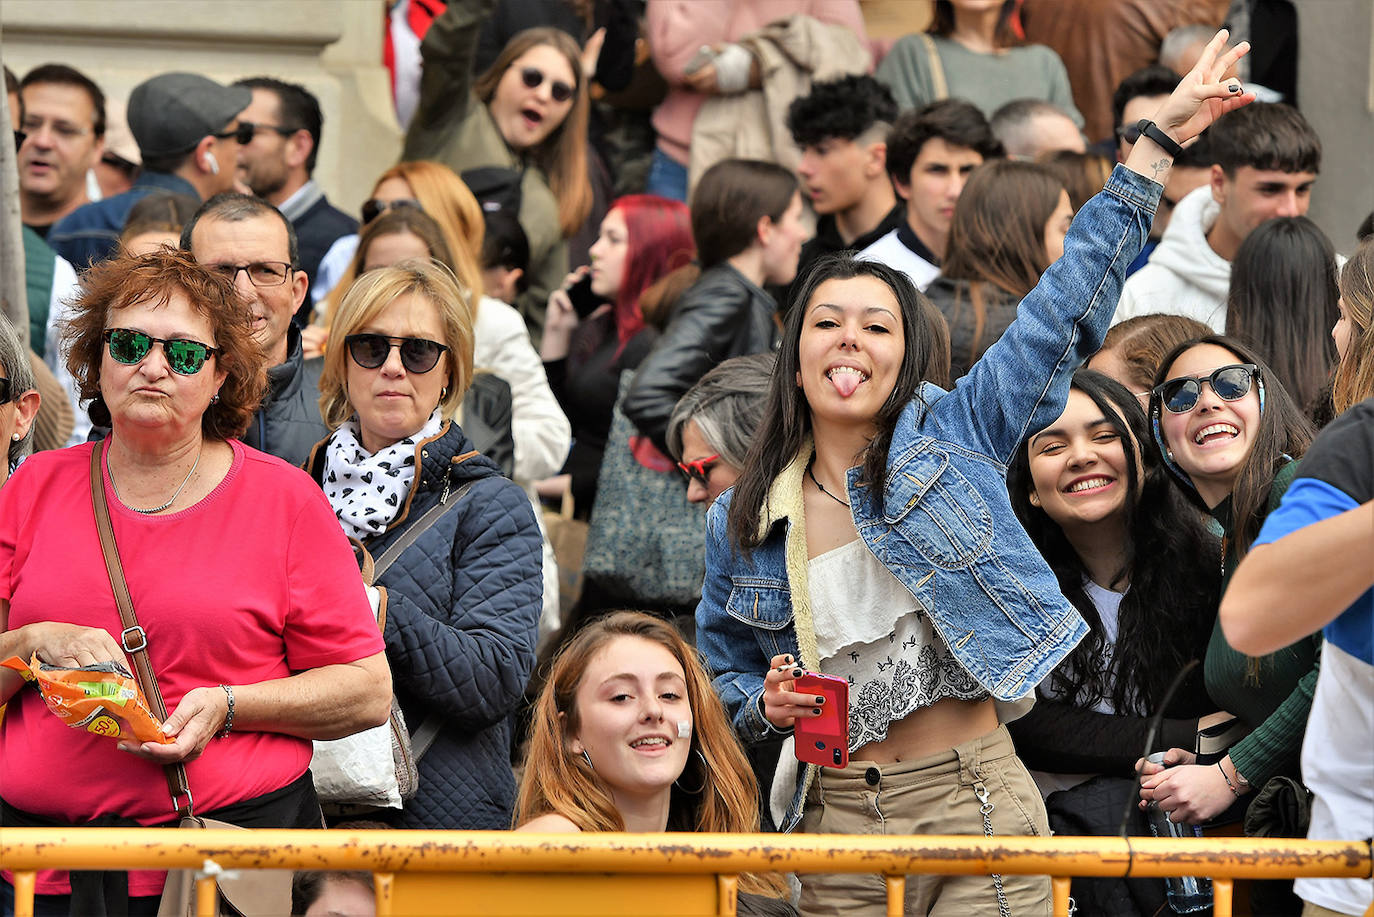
(443, 393)
(690, 792)
(588, 758)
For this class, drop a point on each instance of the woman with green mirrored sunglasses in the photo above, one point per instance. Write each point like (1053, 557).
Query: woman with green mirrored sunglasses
(245, 594)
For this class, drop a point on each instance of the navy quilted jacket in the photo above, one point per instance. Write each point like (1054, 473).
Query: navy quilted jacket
(463, 603)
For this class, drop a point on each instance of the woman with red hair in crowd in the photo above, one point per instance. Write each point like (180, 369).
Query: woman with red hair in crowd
(643, 238)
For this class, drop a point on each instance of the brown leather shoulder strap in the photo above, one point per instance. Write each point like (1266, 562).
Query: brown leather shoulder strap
(133, 638)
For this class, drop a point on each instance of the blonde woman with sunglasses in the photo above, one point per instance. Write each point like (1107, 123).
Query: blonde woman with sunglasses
(463, 599)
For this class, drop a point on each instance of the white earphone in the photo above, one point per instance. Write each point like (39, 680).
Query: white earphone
(211, 163)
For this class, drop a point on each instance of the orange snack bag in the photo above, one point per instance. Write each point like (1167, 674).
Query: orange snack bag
(103, 698)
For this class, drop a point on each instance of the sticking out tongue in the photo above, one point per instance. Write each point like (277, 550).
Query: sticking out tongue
(845, 382)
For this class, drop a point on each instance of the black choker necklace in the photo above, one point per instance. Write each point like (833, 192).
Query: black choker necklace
(821, 487)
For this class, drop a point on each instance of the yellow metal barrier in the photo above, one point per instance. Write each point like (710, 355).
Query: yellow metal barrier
(483, 872)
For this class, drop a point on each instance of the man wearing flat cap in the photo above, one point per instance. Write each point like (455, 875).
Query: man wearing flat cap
(188, 132)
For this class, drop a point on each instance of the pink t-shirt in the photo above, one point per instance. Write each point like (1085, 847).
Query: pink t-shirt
(254, 582)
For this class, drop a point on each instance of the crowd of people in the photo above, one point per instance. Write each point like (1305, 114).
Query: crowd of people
(1056, 449)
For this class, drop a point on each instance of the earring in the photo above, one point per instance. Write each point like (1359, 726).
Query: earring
(214, 399)
(1169, 453)
(588, 758)
(16, 436)
(690, 792)
(1034, 498)
(443, 393)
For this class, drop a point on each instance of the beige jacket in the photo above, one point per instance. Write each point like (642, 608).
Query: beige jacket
(792, 53)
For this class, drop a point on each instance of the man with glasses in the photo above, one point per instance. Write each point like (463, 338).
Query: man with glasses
(278, 162)
(188, 132)
(64, 136)
(253, 242)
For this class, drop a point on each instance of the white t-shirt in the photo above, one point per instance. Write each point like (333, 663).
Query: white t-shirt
(891, 251)
(1336, 768)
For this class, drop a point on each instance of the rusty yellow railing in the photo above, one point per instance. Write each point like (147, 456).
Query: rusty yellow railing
(480, 872)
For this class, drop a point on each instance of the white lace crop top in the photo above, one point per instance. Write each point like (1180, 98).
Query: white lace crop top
(871, 631)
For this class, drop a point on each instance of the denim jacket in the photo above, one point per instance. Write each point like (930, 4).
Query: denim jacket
(947, 530)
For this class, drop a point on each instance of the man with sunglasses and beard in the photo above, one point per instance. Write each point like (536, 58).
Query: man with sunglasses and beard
(189, 133)
(254, 244)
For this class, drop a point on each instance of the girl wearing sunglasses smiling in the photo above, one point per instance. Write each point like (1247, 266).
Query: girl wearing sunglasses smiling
(463, 600)
(1231, 436)
(528, 112)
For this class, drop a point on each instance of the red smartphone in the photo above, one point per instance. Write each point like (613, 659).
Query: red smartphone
(824, 740)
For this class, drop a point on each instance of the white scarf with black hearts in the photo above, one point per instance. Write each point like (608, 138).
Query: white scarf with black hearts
(366, 489)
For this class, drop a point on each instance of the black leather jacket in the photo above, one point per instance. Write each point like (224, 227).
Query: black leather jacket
(288, 423)
(722, 315)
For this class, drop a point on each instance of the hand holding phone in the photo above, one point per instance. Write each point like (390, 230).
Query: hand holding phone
(824, 739)
(584, 301)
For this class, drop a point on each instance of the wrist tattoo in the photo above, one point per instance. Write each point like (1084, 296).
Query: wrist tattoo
(1160, 165)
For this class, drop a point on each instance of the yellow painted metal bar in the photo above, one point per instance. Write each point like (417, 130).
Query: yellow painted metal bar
(728, 890)
(1059, 887)
(486, 851)
(206, 893)
(896, 895)
(384, 884)
(1221, 897)
(24, 884)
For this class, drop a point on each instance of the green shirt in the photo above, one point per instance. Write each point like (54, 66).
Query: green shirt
(987, 80)
(1273, 703)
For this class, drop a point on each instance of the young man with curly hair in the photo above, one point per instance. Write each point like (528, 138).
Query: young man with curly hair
(841, 127)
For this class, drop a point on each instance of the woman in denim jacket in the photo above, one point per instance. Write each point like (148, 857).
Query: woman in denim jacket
(924, 589)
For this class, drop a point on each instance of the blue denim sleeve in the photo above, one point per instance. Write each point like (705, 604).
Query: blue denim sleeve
(1022, 382)
(730, 650)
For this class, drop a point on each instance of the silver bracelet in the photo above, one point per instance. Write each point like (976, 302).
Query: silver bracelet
(228, 717)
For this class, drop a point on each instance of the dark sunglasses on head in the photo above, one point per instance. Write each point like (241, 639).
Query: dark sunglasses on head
(4, 391)
(184, 357)
(534, 78)
(699, 470)
(1231, 383)
(241, 132)
(418, 355)
(374, 208)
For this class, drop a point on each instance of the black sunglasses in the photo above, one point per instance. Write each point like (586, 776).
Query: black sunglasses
(242, 133)
(534, 78)
(418, 355)
(1231, 383)
(4, 391)
(184, 357)
(374, 208)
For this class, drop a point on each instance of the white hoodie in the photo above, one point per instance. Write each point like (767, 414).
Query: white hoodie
(1184, 275)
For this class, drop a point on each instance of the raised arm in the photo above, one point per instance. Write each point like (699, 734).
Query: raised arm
(1061, 322)
(448, 51)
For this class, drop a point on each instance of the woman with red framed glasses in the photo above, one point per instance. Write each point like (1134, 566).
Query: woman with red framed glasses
(713, 425)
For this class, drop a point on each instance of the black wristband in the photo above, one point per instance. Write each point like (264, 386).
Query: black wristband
(1166, 143)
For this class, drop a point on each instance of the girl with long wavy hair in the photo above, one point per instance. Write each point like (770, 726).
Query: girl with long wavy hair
(1232, 438)
(527, 115)
(627, 735)
(1008, 226)
(871, 538)
(1137, 562)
